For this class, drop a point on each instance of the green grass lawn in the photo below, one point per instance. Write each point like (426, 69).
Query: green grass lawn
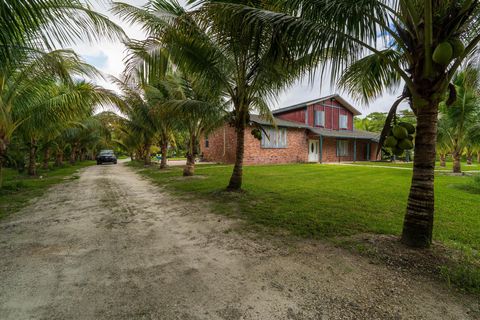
(18, 189)
(449, 165)
(332, 201)
(318, 201)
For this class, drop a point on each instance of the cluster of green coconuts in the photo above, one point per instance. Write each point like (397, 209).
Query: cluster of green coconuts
(400, 138)
(257, 133)
(448, 50)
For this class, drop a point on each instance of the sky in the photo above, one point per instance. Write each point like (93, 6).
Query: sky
(108, 57)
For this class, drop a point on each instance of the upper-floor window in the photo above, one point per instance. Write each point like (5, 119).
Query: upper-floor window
(274, 138)
(343, 121)
(320, 118)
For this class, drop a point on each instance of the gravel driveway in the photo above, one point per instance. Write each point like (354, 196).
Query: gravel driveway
(110, 245)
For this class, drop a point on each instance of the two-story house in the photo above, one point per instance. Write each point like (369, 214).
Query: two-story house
(320, 130)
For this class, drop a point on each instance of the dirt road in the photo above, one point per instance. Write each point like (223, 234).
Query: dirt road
(110, 245)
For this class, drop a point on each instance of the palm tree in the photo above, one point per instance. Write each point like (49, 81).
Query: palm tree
(29, 26)
(251, 64)
(30, 95)
(199, 110)
(457, 120)
(371, 46)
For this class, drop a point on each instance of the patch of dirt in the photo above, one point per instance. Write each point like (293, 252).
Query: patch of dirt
(111, 245)
(388, 250)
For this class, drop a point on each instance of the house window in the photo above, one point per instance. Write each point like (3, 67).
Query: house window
(207, 143)
(343, 121)
(342, 148)
(320, 118)
(274, 138)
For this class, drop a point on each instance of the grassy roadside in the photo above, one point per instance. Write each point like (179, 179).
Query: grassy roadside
(448, 167)
(334, 202)
(18, 189)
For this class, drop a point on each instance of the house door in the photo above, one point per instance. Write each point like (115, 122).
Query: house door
(313, 151)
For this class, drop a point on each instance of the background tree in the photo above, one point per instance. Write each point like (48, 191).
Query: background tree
(250, 63)
(200, 110)
(457, 120)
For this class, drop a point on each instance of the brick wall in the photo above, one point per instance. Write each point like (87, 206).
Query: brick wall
(296, 151)
(222, 145)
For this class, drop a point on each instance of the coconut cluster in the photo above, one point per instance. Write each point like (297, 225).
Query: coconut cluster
(256, 133)
(400, 138)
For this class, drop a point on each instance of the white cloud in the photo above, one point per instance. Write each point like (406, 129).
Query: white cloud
(108, 57)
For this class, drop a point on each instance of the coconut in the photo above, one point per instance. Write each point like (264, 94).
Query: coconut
(457, 46)
(405, 144)
(443, 53)
(400, 132)
(397, 151)
(410, 127)
(390, 142)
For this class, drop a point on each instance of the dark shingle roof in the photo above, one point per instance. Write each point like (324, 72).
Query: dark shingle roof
(355, 134)
(337, 97)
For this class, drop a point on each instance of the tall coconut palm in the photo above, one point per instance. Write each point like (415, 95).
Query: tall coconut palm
(250, 63)
(371, 45)
(457, 120)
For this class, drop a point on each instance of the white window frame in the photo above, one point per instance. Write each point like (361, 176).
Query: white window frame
(274, 138)
(319, 118)
(343, 121)
(343, 148)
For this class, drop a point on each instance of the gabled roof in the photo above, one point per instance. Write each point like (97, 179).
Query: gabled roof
(337, 97)
(355, 134)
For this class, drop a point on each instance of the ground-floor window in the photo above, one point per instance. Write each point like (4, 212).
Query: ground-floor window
(342, 148)
(274, 138)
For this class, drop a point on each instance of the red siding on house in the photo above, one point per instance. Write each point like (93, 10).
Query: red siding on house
(332, 110)
(295, 115)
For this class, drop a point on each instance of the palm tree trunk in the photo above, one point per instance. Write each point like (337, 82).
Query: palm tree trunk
(46, 157)
(456, 162)
(59, 159)
(147, 160)
(32, 159)
(443, 162)
(235, 183)
(3, 149)
(164, 150)
(469, 158)
(418, 222)
(73, 155)
(189, 169)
